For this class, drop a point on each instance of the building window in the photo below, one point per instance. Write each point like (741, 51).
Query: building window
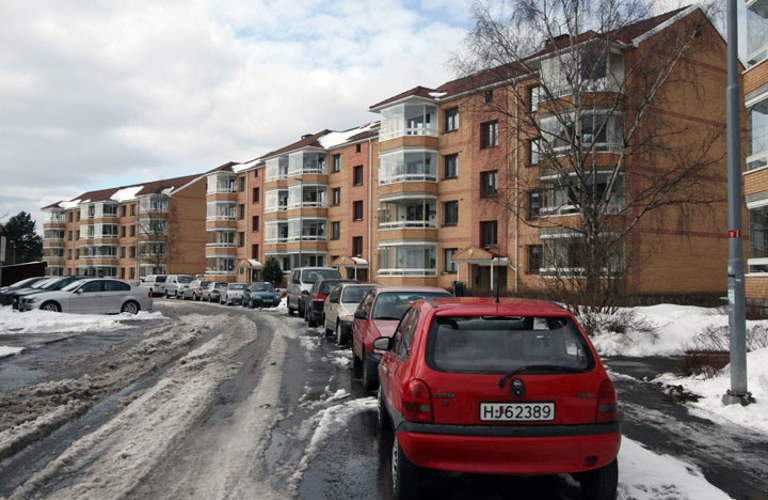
(133, 230)
(489, 134)
(336, 163)
(122, 231)
(336, 197)
(241, 184)
(69, 235)
(357, 246)
(255, 252)
(450, 213)
(357, 148)
(535, 254)
(240, 239)
(70, 216)
(131, 273)
(489, 234)
(451, 119)
(489, 96)
(449, 266)
(255, 196)
(534, 151)
(335, 230)
(489, 184)
(241, 211)
(534, 203)
(255, 223)
(132, 252)
(534, 97)
(133, 209)
(123, 211)
(450, 166)
(357, 210)
(358, 175)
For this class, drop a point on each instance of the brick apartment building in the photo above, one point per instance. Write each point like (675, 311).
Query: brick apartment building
(443, 188)
(756, 174)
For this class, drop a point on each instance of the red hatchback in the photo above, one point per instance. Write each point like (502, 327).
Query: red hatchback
(471, 385)
(377, 316)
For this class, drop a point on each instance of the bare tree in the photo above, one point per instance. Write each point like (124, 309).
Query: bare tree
(591, 86)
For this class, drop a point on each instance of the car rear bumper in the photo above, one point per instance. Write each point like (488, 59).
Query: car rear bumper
(528, 449)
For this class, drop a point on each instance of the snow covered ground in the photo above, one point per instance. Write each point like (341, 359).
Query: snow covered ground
(644, 474)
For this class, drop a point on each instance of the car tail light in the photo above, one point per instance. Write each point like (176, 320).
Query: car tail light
(319, 297)
(417, 402)
(607, 404)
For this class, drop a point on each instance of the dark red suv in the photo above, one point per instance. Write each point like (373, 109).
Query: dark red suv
(471, 385)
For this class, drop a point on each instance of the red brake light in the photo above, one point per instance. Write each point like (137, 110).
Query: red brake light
(318, 296)
(417, 402)
(607, 404)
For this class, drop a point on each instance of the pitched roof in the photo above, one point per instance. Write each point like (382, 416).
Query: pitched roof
(305, 141)
(124, 193)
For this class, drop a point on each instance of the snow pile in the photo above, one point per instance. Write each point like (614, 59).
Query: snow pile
(644, 475)
(37, 321)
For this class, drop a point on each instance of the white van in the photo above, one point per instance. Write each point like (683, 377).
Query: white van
(301, 280)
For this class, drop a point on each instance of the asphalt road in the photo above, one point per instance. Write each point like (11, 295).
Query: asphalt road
(280, 417)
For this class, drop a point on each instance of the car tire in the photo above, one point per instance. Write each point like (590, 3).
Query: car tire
(406, 477)
(51, 307)
(130, 307)
(385, 421)
(357, 364)
(370, 377)
(600, 484)
(340, 340)
(291, 310)
(328, 332)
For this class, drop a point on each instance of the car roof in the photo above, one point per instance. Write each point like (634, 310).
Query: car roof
(487, 306)
(409, 288)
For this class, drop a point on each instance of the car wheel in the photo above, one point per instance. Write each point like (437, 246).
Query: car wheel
(356, 363)
(385, 422)
(340, 340)
(130, 307)
(405, 475)
(600, 484)
(370, 376)
(327, 331)
(51, 306)
(291, 310)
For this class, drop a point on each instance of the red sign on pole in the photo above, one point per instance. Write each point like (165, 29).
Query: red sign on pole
(734, 233)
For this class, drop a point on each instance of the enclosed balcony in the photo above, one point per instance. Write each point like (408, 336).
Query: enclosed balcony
(54, 216)
(275, 232)
(307, 162)
(409, 119)
(220, 238)
(600, 132)
(600, 70)
(757, 31)
(98, 252)
(415, 259)
(222, 182)
(151, 227)
(276, 200)
(307, 196)
(152, 250)
(53, 235)
(415, 212)
(153, 203)
(307, 229)
(223, 265)
(98, 210)
(276, 169)
(408, 165)
(558, 198)
(221, 210)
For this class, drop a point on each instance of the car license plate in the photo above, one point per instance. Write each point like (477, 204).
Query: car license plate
(517, 412)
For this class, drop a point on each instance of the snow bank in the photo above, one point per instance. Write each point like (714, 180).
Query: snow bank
(37, 321)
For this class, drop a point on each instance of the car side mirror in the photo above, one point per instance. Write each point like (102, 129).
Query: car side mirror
(361, 314)
(382, 344)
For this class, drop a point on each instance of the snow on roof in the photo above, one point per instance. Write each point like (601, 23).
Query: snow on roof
(333, 139)
(126, 194)
(70, 204)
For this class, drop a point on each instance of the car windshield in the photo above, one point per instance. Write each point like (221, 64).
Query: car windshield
(185, 279)
(507, 345)
(312, 275)
(237, 286)
(221, 286)
(392, 305)
(44, 284)
(354, 294)
(262, 287)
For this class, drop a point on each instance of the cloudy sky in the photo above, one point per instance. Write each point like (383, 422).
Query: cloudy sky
(101, 93)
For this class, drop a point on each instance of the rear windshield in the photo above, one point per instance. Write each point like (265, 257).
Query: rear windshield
(312, 275)
(237, 286)
(263, 287)
(501, 344)
(392, 305)
(185, 279)
(326, 286)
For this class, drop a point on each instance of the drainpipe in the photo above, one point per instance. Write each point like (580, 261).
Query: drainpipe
(517, 189)
(370, 210)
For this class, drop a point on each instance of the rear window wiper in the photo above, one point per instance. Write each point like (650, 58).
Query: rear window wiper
(527, 368)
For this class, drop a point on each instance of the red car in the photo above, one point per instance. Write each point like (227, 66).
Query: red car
(377, 316)
(471, 385)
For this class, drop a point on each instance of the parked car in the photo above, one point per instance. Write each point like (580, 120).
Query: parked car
(377, 316)
(301, 280)
(175, 285)
(515, 387)
(260, 294)
(315, 301)
(339, 309)
(154, 282)
(94, 295)
(195, 289)
(48, 285)
(7, 291)
(233, 294)
(212, 293)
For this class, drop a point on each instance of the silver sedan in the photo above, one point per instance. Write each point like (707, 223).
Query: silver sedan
(97, 295)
